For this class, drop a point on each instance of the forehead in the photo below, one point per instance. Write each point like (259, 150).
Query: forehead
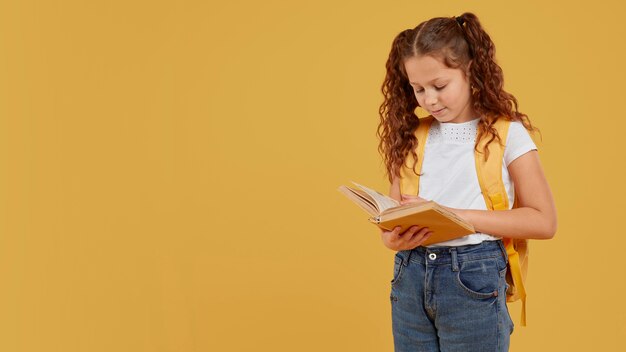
(426, 69)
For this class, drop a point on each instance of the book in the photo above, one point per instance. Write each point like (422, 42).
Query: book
(387, 213)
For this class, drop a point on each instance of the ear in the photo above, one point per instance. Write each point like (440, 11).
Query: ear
(469, 65)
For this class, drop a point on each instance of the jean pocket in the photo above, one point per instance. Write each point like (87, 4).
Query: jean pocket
(480, 278)
(397, 269)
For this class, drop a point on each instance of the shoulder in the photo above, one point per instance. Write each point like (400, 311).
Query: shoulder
(516, 128)
(518, 142)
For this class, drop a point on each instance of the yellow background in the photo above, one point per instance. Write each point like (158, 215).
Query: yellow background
(168, 172)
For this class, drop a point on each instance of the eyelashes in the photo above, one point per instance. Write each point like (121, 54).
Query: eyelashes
(438, 88)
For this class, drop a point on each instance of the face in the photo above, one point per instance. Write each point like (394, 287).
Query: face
(444, 92)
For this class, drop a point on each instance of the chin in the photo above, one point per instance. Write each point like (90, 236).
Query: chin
(443, 118)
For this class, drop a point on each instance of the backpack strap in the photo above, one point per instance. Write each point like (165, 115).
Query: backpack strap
(492, 187)
(517, 250)
(409, 182)
(490, 171)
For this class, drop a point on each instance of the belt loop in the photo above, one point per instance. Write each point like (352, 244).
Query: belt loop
(455, 263)
(506, 256)
(408, 256)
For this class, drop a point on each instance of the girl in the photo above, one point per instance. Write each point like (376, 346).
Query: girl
(447, 66)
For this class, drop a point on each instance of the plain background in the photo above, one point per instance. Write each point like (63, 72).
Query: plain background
(169, 172)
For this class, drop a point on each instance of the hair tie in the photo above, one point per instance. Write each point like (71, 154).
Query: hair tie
(462, 21)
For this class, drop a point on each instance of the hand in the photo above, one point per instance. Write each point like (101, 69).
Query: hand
(413, 237)
(406, 199)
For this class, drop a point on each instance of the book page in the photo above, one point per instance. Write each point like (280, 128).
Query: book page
(384, 202)
(361, 198)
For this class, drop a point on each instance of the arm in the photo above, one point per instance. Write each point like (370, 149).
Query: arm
(394, 189)
(535, 217)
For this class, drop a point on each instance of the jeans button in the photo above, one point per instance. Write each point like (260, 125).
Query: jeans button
(432, 256)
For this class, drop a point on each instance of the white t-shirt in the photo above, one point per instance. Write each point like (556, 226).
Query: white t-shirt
(449, 171)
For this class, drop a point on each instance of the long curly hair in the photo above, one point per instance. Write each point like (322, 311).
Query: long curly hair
(455, 43)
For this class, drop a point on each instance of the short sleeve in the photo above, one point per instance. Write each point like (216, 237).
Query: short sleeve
(518, 142)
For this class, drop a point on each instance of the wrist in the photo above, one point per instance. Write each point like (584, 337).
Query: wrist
(462, 213)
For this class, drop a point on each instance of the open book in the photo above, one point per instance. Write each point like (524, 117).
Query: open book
(387, 213)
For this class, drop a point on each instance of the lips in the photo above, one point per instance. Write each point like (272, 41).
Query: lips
(438, 111)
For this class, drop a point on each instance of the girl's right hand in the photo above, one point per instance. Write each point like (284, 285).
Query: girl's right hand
(413, 237)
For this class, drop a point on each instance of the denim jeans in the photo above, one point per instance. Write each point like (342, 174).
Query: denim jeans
(451, 299)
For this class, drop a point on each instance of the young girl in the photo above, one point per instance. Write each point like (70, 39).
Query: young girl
(447, 66)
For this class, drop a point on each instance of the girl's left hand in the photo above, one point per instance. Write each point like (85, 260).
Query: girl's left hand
(406, 199)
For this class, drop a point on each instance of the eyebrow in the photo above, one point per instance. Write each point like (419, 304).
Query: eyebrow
(430, 81)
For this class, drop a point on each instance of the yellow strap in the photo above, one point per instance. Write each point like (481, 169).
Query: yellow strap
(490, 171)
(410, 182)
(516, 274)
(496, 198)
(518, 269)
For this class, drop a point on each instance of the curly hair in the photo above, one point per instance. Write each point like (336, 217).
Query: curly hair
(455, 41)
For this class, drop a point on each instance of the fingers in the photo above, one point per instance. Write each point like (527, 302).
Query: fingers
(390, 237)
(422, 235)
(412, 231)
(395, 233)
(407, 234)
(409, 239)
(415, 236)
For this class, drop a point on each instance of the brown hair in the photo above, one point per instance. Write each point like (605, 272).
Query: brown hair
(455, 43)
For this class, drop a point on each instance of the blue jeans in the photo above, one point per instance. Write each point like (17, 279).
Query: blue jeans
(451, 299)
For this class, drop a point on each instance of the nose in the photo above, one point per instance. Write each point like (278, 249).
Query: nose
(430, 98)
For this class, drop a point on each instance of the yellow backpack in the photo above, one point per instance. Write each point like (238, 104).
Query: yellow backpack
(492, 187)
